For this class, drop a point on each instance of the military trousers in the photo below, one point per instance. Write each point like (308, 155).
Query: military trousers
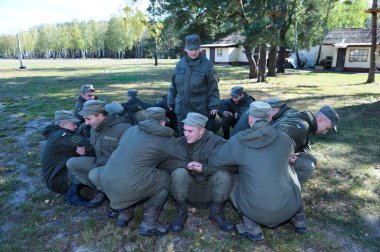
(80, 167)
(227, 123)
(61, 182)
(183, 186)
(304, 166)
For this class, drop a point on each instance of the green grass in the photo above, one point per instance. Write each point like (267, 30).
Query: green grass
(341, 199)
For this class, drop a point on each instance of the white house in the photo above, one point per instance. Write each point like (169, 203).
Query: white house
(349, 49)
(226, 51)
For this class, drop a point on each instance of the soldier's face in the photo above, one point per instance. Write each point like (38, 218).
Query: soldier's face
(68, 125)
(237, 99)
(93, 120)
(193, 53)
(89, 95)
(324, 125)
(192, 133)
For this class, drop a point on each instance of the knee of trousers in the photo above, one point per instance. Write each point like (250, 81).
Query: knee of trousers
(71, 164)
(180, 183)
(179, 176)
(221, 183)
(94, 177)
(304, 168)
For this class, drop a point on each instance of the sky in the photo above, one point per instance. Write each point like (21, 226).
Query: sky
(17, 15)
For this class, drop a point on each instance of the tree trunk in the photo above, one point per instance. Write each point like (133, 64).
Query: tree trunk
(262, 63)
(298, 58)
(372, 66)
(272, 61)
(282, 51)
(252, 62)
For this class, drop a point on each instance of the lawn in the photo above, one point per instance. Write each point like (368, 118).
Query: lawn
(342, 201)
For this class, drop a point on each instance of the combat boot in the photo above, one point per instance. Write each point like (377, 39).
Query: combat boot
(150, 226)
(250, 230)
(73, 197)
(97, 200)
(298, 221)
(216, 214)
(124, 216)
(180, 217)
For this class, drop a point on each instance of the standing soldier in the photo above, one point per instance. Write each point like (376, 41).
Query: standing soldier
(194, 86)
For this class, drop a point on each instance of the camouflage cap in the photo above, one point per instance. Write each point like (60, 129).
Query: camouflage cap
(132, 92)
(86, 88)
(195, 119)
(331, 114)
(65, 115)
(236, 91)
(155, 113)
(259, 109)
(92, 107)
(193, 42)
(275, 102)
(114, 107)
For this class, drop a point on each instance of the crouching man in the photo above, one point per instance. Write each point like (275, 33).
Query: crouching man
(267, 191)
(131, 173)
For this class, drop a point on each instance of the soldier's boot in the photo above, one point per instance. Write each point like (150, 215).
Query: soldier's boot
(298, 221)
(73, 197)
(124, 216)
(97, 200)
(216, 214)
(250, 230)
(180, 217)
(150, 226)
(113, 213)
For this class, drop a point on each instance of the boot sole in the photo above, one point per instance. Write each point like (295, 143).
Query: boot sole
(154, 232)
(178, 230)
(255, 238)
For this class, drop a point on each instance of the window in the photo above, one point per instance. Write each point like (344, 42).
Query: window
(219, 52)
(358, 55)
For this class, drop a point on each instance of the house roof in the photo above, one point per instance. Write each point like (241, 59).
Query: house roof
(230, 41)
(350, 36)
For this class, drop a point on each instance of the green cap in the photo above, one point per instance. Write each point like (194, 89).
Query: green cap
(114, 107)
(195, 119)
(275, 102)
(155, 113)
(65, 115)
(92, 107)
(331, 114)
(259, 109)
(193, 42)
(86, 88)
(236, 91)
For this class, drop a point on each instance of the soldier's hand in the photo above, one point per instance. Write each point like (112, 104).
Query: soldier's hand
(293, 158)
(194, 166)
(81, 150)
(226, 113)
(213, 112)
(170, 108)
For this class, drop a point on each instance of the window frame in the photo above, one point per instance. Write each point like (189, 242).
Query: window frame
(358, 55)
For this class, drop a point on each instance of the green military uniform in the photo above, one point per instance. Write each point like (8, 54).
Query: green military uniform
(61, 145)
(194, 88)
(104, 141)
(131, 173)
(268, 191)
(299, 127)
(198, 188)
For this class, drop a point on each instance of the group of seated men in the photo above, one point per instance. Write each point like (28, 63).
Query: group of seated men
(128, 155)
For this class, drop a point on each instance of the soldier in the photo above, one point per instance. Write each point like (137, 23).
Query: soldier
(266, 191)
(62, 143)
(231, 109)
(300, 126)
(200, 189)
(106, 130)
(279, 109)
(87, 93)
(131, 173)
(172, 123)
(135, 107)
(194, 86)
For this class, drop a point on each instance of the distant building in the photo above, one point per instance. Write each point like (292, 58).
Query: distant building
(349, 49)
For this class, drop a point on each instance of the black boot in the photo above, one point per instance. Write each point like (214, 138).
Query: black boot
(124, 216)
(150, 226)
(112, 213)
(216, 214)
(298, 221)
(97, 200)
(180, 217)
(73, 197)
(250, 230)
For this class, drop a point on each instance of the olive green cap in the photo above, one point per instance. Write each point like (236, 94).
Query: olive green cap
(155, 113)
(331, 114)
(65, 115)
(259, 109)
(193, 42)
(86, 88)
(275, 102)
(195, 119)
(92, 107)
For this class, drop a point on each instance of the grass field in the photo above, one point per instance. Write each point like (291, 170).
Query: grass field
(342, 201)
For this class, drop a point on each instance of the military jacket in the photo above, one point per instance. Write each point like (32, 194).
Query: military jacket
(79, 106)
(268, 191)
(231, 106)
(131, 173)
(60, 146)
(194, 87)
(105, 138)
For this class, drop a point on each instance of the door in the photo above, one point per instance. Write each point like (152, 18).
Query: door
(341, 58)
(212, 55)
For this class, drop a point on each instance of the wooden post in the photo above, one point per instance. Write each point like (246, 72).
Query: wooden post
(372, 65)
(20, 52)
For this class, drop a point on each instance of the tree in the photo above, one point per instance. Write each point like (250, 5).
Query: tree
(372, 67)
